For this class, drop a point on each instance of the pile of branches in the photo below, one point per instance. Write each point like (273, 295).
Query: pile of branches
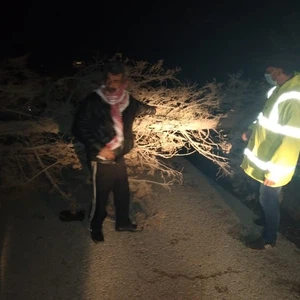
(243, 99)
(37, 114)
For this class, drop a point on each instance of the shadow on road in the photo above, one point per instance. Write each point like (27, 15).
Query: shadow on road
(41, 257)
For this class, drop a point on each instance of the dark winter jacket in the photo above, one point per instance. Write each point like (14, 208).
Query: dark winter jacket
(93, 125)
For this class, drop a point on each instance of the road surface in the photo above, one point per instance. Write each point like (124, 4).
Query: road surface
(192, 247)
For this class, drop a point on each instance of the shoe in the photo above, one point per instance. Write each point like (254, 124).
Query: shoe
(259, 222)
(260, 244)
(97, 236)
(127, 227)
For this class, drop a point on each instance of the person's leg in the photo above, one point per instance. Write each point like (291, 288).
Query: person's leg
(260, 221)
(269, 200)
(103, 177)
(122, 197)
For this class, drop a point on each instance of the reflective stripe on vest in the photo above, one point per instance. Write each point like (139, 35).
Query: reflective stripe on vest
(277, 128)
(270, 92)
(268, 166)
(271, 123)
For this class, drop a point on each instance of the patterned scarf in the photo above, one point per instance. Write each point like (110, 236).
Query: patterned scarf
(118, 101)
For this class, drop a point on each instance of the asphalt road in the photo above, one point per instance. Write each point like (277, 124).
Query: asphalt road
(192, 247)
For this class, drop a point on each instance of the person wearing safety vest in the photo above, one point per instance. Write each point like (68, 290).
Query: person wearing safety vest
(272, 152)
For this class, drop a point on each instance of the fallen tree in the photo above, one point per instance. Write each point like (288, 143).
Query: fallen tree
(36, 139)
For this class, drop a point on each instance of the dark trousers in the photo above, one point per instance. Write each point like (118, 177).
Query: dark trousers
(109, 178)
(269, 200)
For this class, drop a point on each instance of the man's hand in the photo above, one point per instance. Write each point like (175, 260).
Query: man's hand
(246, 135)
(107, 153)
(268, 182)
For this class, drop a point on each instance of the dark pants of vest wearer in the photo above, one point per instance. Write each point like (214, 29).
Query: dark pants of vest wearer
(269, 200)
(109, 178)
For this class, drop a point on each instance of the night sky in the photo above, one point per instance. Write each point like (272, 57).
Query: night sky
(206, 41)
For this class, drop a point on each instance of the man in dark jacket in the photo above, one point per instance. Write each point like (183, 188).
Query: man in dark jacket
(104, 125)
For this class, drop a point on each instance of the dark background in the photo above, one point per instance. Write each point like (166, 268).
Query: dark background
(207, 40)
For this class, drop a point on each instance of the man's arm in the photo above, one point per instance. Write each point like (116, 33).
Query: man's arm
(145, 109)
(83, 126)
(247, 133)
(85, 129)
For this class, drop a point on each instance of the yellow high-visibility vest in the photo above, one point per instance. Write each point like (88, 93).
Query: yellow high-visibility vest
(273, 149)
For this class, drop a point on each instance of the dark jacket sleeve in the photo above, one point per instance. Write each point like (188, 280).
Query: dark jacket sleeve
(83, 126)
(145, 109)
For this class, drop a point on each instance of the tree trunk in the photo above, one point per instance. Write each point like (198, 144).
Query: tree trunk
(25, 128)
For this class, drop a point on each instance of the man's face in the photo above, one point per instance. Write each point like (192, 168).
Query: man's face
(114, 82)
(274, 72)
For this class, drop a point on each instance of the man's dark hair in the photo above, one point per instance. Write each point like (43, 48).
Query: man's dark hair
(114, 67)
(287, 62)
